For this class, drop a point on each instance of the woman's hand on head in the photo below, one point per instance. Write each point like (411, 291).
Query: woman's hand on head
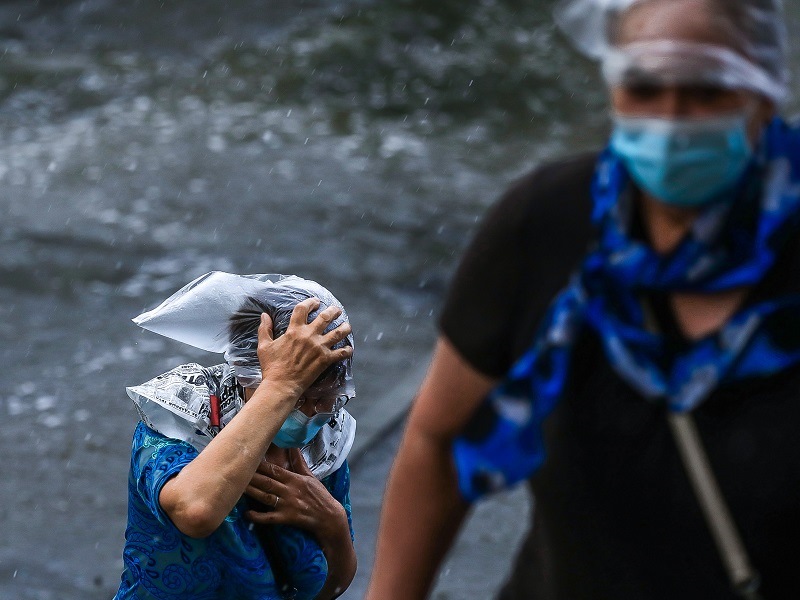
(301, 354)
(295, 497)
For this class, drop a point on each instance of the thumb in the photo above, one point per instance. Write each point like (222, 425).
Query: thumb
(298, 463)
(265, 328)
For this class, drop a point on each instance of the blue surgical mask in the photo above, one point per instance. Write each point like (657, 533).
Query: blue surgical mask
(298, 429)
(683, 162)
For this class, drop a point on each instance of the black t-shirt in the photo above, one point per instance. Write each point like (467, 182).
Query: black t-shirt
(522, 255)
(615, 517)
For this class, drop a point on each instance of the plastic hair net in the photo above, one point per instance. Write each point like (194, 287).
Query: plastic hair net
(732, 44)
(221, 312)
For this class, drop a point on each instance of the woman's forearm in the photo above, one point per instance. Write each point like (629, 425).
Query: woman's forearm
(205, 491)
(341, 557)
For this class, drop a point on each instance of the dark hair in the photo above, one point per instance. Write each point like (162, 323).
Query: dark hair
(278, 302)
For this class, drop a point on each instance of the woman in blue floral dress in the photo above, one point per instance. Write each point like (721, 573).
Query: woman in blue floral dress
(239, 484)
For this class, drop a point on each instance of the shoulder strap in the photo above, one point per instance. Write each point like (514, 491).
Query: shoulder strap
(742, 575)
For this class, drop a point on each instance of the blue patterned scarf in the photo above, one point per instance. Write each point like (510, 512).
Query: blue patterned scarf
(731, 244)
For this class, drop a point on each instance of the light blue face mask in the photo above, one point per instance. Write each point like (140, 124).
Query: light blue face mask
(298, 429)
(683, 162)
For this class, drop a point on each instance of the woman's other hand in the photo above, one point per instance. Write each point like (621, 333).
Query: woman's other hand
(294, 360)
(298, 498)
(295, 497)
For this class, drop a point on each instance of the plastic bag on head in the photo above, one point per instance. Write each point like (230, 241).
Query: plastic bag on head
(733, 44)
(221, 312)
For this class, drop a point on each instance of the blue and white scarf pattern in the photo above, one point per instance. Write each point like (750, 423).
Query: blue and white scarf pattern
(729, 246)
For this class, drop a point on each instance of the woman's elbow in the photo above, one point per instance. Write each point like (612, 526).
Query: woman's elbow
(346, 575)
(194, 519)
(340, 579)
(347, 579)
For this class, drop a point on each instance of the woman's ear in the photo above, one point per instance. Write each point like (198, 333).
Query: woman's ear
(765, 111)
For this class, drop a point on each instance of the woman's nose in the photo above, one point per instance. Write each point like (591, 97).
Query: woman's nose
(674, 102)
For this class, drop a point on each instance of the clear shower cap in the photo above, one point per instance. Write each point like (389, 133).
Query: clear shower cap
(736, 44)
(221, 312)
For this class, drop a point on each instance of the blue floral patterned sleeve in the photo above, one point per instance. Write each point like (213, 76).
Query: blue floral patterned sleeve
(163, 564)
(155, 459)
(160, 563)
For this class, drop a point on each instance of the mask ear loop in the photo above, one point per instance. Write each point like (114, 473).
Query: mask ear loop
(757, 140)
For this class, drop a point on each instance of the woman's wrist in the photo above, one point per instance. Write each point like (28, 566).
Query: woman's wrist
(337, 545)
(281, 393)
(335, 528)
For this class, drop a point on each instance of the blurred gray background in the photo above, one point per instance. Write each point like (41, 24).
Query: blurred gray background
(143, 143)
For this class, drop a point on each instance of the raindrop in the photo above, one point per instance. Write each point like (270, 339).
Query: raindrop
(142, 103)
(45, 403)
(94, 173)
(216, 143)
(197, 185)
(15, 405)
(51, 422)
